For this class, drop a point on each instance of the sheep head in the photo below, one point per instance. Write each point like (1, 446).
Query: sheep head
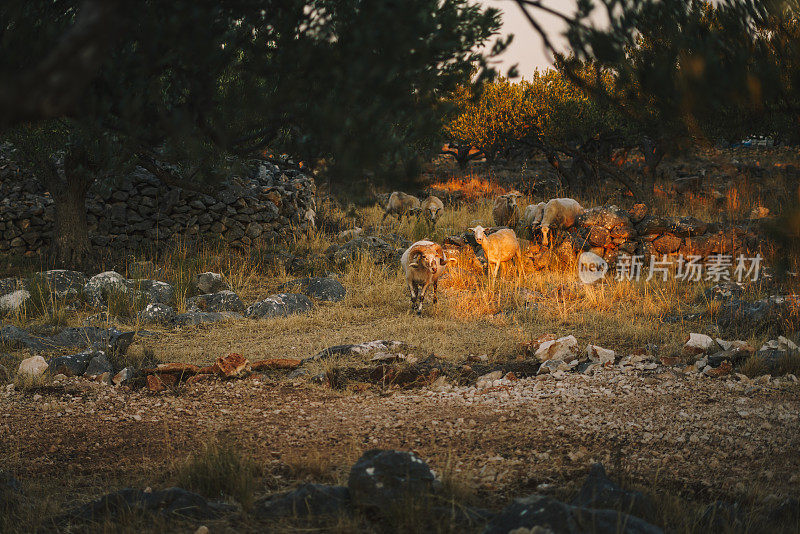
(479, 233)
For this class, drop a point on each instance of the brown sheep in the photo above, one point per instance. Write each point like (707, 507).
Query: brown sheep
(499, 247)
(423, 264)
(505, 210)
(432, 208)
(401, 204)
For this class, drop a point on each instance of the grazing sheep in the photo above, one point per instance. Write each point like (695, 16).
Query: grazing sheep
(499, 247)
(559, 212)
(532, 217)
(505, 210)
(432, 208)
(401, 204)
(423, 264)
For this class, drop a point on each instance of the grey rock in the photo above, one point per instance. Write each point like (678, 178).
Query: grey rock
(9, 285)
(71, 365)
(154, 291)
(157, 313)
(62, 283)
(280, 305)
(98, 286)
(561, 518)
(327, 289)
(307, 500)
(98, 365)
(381, 478)
(170, 502)
(361, 349)
(600, 492)
(208, 282)
(225, 300)
(198, 317)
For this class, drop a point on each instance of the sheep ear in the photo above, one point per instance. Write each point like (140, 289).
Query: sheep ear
(442, 261)
(452, 259)
(470, 229)
(414, 265)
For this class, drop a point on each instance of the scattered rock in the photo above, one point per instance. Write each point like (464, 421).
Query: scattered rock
(280, 305)
(154, 291)
(123, 376)
(15, 302)
(600, 355)
(381, 478)
(33, 366)
(361, 349)
(98, 287)
(71, 365)
(231, 365)
(550, 515)
(307, 500)
(327, 289)
(565, 348)
(157, 313)
(98, 365)
(699, 344)
(205, 283)
(222, 301)
(553, 366)
(61, 283)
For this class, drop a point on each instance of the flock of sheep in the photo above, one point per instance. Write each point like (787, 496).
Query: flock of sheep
(425, 262)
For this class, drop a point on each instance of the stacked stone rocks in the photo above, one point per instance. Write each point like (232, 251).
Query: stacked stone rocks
(141, 212)
(610, 231)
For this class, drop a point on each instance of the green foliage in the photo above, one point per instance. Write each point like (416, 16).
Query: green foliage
(547, 109)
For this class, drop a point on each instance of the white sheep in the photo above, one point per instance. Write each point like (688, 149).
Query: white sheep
(560, 212)
(432, 208)
(423, 263)
(532, 217)
(505, 210)
(499, 247)
(401, 204)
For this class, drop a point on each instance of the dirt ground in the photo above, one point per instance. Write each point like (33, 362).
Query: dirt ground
(699, 438)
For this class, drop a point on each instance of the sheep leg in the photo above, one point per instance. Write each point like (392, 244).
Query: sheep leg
(421, 298)
(413, 287)
(435, 285)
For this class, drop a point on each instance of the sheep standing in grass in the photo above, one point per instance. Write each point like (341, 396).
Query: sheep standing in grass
(401, 204)
(505, 210)
(432, 208)
(560, 212)
(423, 264)
(499, 247)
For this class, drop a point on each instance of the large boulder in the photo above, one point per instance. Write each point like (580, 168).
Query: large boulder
(549, 515)
(222, 301)
(307, 500)
(600, 492)
(382, 478)
(328, 289)
(565, 348)
(280, 305)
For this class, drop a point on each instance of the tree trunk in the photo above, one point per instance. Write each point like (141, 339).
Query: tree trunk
(70, 247)
(70, 242)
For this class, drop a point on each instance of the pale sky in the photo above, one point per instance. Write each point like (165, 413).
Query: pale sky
(526, 50)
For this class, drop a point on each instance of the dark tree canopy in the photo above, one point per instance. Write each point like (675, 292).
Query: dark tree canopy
(196, 84)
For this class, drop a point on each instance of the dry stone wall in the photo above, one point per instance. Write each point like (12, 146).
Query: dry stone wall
(142, 213)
